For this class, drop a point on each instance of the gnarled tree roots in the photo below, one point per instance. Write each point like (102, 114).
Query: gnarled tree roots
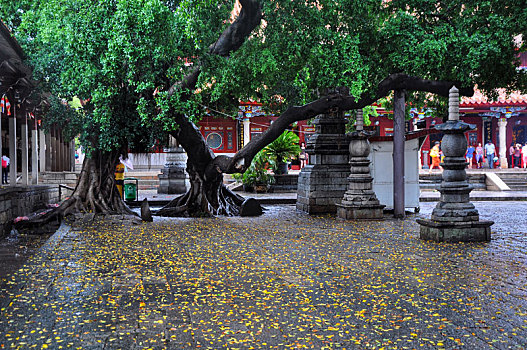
(205, 198)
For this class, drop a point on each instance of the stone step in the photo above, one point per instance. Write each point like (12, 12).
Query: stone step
(518, 187)
(513, 176)
(519, 181)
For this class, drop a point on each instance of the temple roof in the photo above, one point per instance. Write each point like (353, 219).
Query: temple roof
(504, 99)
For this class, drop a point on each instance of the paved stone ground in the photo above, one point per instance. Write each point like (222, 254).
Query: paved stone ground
(15, 250)
(283, 280)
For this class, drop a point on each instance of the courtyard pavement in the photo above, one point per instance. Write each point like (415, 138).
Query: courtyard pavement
(282, 280)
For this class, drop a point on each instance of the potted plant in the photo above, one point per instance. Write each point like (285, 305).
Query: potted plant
(256, 176)
(281, 150)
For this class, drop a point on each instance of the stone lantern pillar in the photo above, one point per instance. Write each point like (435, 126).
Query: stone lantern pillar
(454, 219)
(360, 201)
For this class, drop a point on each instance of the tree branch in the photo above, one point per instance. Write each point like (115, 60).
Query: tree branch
(242, 159)
(229, 41)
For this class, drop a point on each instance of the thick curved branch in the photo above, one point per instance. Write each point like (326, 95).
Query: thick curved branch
(229, 41)
(242, 159)
(235, 35)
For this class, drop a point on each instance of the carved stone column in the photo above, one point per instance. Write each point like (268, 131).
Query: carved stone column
(360, 201)
(502, 129)
(454, 219)
(425, 160)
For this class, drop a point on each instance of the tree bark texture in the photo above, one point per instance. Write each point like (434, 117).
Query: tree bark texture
(207, 194)
(95, 191)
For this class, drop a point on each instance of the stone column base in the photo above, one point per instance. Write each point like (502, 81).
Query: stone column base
(470, 231)
(371, 212)
(172, 180)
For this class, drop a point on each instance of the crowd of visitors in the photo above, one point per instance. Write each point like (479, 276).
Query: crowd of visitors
(477, 155)
(516, 157)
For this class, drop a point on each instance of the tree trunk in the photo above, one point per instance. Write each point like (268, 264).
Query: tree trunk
(95, 192)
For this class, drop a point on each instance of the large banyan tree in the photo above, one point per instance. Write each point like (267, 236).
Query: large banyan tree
(144, 68)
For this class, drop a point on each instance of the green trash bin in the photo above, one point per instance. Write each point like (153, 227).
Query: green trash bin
(130, 190)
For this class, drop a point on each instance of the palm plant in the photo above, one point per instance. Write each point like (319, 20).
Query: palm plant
(256, 174)
(281, 150)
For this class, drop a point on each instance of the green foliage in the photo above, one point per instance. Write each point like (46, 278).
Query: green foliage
(60, 113)
(283, 148)
(367, 113)
(115, 55)
(257, 173)
(307, 46)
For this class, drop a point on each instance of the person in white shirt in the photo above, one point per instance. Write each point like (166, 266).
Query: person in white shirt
(490, 153)
(524, 155)
(5, 168)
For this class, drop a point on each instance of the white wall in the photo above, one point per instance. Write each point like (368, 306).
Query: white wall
(382, 172)
(148, 161)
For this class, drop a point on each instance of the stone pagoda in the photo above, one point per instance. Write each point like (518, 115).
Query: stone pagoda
(322, 183)
(454, 219)
(360, 201)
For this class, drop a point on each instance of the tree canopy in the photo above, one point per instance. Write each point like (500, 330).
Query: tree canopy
(112, 55)
(305, 46)
(115, 54)
(147, 67)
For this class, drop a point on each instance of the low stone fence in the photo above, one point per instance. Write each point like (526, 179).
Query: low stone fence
(23, 200)
(67, 178)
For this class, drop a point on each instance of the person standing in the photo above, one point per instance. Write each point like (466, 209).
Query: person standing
(5, 168)
(436, 157)
(517, 155)
(303, 155)
(524, 155)
(490, 153)
(119, 178)
(479, 155)
(511, 156)
(470, 155)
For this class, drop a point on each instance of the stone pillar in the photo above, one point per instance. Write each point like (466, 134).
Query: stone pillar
(60, 151)
(72, 155)
(398, 153)
(425, 160)
(54, 149)
(42, 150)
(12, 148)
(454, 219)
(173, 177)
(502, 127)
(322, 183)
(360, 201)
(246, 131)
(25, 147)
(48, 148)
(34, 153)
